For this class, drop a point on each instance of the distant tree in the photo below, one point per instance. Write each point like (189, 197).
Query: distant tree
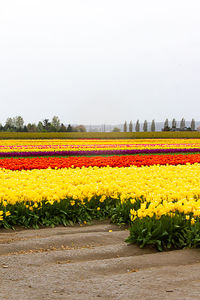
(153, 126)
(46, 125)
(145, 126)
(31, 127)
(182, 123)
(125, 126)
(74, 129)
(25, 128)
(62, 128)
(173, 123)
(55, 124)
(69, 128)
(166, 125)
(40, 126)
(9, 125)
(80, 128)
(192, 125)
(131, 126)
(137, 126)
(116, 129)
(18, 123)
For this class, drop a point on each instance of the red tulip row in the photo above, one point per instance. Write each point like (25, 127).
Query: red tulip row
(112, 161)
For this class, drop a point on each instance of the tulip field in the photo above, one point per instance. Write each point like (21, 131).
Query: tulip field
(151, 185)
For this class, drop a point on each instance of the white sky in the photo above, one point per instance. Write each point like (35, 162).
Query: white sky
(100, 61)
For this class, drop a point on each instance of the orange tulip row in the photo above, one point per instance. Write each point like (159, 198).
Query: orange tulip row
(112, 161)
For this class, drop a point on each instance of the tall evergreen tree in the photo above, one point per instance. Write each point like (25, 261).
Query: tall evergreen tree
(166, 125)
(137, 126)
(192, 125)
(125, 126)
(131, 126)
(145, 126)
(173, 123)
(182, 123)
(153, 126)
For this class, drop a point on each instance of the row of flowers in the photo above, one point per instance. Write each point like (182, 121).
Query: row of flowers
(112, 161)
(154, 183)
(97, 152)
(93, 145)
(149, 194)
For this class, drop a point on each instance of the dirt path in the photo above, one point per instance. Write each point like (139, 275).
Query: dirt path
(92, 263)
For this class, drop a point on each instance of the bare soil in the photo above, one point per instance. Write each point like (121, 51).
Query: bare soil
(92, 262)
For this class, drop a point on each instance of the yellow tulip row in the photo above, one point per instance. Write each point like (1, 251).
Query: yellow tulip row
(74, 145)
(96, 141)
(154, 184)
(18, 142)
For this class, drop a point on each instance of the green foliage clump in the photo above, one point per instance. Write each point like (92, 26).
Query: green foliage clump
(165, 233)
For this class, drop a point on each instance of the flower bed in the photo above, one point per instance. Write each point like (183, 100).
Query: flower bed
(157, 195)
(21, 148)
(112, 161)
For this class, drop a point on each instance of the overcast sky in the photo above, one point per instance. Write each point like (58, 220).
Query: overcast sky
(100, 61)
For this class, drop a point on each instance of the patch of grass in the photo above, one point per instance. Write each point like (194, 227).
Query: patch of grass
(99, 135)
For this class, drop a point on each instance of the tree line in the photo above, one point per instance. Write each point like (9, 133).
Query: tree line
(167, 127)
(16, 124)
